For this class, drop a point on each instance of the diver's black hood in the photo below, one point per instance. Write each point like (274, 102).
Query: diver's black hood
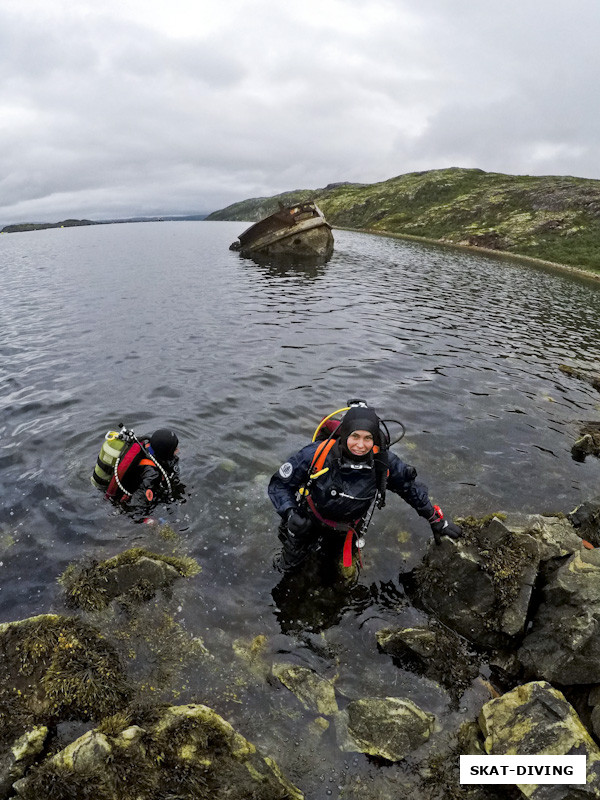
(164, 443)
(358, 418)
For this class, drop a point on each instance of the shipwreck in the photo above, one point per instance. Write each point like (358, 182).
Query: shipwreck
(297, 230)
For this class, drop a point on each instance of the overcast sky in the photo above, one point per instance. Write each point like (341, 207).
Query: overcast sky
(114, 108)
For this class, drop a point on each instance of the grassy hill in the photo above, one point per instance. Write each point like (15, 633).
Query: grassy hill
(552, 218)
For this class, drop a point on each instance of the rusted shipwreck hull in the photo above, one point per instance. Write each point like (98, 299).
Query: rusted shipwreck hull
(298, 230)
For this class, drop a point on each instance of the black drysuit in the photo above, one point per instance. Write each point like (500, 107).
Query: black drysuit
(343, 494)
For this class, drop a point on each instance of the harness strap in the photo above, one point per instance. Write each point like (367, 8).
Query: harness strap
(320, 455)
(124, 465)
(339, 526)
(347, 555)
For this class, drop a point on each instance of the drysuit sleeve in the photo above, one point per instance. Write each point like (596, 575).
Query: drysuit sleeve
(145, 494)
(290, 476)
(402, 480)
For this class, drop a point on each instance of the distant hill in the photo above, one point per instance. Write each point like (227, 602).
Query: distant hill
(552, 218)
(40, 226)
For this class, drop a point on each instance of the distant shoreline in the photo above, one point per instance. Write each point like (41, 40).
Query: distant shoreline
(502, 254)
(548, 265)
(27, 227)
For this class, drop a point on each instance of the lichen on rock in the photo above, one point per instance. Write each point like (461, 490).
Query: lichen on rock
(536, 719)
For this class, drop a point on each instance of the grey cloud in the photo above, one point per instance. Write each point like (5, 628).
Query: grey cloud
(106, 113)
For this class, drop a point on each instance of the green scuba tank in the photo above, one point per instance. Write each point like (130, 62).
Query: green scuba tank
(109, 452)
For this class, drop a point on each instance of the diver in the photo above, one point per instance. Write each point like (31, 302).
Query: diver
(327, 492)
(137, 473)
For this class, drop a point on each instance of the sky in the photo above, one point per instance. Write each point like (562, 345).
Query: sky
(126, 108)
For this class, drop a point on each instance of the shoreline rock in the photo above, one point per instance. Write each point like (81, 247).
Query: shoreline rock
(179, 751)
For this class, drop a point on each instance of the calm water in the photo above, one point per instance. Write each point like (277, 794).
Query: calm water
(161, 325)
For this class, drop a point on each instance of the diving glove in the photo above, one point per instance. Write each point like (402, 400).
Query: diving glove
(296, 522)
(441, 527)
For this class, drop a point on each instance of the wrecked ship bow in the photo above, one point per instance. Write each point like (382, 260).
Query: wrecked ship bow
(299, 230)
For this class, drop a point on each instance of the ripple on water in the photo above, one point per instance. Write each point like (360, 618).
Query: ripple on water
(163, 325)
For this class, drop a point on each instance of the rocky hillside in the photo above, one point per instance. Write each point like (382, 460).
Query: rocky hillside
(552, 218)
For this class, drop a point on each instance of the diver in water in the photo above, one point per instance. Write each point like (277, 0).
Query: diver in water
(326, 493)
(138, 473)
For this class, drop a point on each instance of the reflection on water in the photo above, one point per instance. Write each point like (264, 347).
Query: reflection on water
(160, 325)
(285, 266)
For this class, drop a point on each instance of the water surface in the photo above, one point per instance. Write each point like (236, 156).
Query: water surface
(159, 324)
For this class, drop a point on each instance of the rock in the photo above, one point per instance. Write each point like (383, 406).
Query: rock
(179, 751)
(564, 643)
(480, 585)
(588, 443)
(135, 574)
(536, 719)
(387, 727)
(315, 693)
(252, 652)
(586, 521)
(57, 668)
(17, 758)
(433, 651)
(556, 536)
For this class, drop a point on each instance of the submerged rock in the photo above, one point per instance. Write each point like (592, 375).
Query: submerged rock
(433, 651)
(564, 644)
(588, 443)
(136, 574)
(185, 752)
(536, 719)
(480, 585)
(315, 693)
(587, 375)
(387, 727)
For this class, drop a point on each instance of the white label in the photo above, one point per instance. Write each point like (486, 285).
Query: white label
(523, 769)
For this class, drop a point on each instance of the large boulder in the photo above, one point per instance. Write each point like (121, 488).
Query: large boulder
(536, 719)
(480, 585)
(387, 727)
(586, 374)
(564, 643)
(185, 752)
(556, 536)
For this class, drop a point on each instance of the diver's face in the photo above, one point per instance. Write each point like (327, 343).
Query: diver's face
(360, 443)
